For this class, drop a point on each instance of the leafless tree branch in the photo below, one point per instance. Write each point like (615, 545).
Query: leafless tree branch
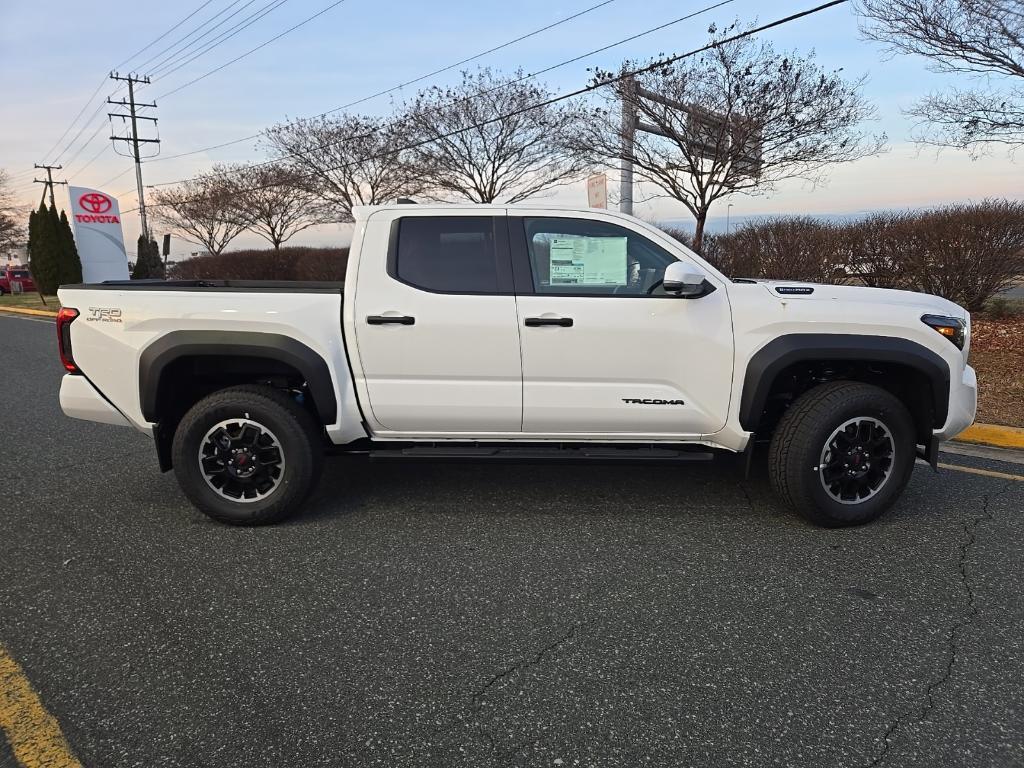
(984, 38)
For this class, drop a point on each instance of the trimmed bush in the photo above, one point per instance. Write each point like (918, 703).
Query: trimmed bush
(289, 263)
(966, 253)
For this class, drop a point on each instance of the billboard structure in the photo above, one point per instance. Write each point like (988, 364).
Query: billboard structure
(709, 136)
(96, 218)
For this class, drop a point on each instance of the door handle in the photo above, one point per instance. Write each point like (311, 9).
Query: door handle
(536, 322)
(390, 320)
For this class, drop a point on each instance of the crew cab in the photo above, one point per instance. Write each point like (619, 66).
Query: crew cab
(519, 333)
(15, 280)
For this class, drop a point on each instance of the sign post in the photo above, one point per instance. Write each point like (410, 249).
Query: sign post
(98, 236)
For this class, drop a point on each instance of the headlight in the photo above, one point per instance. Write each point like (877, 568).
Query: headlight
(953, 328)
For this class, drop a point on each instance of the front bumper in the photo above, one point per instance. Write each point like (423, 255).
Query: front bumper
(963, 404)
(80, 400)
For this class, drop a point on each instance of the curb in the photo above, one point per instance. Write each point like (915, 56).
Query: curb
(994, 435)
(33, 312)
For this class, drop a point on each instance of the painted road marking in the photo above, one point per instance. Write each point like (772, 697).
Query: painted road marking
(33, 733)
(985, 472)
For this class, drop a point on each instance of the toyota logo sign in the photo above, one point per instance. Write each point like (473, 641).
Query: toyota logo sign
(95, 202)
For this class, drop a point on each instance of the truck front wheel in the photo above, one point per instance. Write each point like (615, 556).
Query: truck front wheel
(843, 453)
(247, 455)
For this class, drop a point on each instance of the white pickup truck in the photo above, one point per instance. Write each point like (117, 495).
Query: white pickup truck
(520, 333)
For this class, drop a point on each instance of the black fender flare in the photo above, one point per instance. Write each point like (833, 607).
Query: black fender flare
(270, 346)
(777, 355)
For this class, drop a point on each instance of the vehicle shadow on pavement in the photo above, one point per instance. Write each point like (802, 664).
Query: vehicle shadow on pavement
(357, 486)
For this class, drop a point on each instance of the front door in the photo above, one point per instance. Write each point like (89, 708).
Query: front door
(436, 325)
(605, 350)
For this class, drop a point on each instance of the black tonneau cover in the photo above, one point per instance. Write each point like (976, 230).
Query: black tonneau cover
(250, 286)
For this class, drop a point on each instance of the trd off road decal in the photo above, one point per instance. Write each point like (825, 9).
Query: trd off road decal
(104, 315)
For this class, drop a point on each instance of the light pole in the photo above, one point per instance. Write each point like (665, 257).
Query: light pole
(728, 210)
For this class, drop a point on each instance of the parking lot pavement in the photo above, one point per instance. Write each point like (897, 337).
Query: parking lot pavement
(481, 615)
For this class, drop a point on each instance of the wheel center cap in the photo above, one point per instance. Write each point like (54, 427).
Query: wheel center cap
(242, 464)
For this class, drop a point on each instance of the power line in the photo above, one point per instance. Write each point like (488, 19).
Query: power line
(146, 47)
(82, 129)
(487, 91)
(187, 57)
(415, 80)
(75, 120)
(253, 50)
(187, 35)
(93, 116)
(92, 138)
(114, 178)
(663, 62)
(92, 160)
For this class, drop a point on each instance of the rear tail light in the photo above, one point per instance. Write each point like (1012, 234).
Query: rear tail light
(64, 319)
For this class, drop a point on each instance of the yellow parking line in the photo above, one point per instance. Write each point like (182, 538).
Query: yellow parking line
(985, 472)
(33, 733)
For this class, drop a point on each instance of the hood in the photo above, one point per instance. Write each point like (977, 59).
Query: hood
(796, 290)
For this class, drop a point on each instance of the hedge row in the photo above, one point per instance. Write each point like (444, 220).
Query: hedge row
(326, 264)
(966, 253)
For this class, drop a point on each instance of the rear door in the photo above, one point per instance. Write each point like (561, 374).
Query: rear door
(435, 323)
(605, 350)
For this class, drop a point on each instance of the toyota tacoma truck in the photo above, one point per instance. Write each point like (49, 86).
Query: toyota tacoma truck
(519, 333)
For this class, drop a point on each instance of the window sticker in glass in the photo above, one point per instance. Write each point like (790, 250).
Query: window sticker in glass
(588, 261)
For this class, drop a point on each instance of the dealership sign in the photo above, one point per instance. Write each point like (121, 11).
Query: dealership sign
(97, 222)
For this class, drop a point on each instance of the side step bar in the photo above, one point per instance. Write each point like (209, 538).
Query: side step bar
(541, 453)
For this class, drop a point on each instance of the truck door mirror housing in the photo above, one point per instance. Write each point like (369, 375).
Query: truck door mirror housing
(682, 280)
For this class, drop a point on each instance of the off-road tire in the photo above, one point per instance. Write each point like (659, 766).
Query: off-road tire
(800, 439)
(293, 427)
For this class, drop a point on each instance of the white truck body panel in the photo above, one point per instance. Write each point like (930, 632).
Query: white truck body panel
(468, 369)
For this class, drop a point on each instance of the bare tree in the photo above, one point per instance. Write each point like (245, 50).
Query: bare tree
(485, 140)
(737, 118)
(275, 200)
(202, 210)
(12, 232)
(983, 38)
(348, 160)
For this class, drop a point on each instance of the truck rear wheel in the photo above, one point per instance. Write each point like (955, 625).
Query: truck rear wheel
(247, 455)
(843, 453)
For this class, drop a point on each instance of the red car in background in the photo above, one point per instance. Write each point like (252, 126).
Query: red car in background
(9, 275)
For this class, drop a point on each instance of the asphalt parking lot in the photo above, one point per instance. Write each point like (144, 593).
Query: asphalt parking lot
(451, 615)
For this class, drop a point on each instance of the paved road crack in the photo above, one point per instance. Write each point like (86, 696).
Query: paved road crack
(970, 531)
(529, 661)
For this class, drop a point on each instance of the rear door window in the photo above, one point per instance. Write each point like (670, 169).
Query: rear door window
(449, 254)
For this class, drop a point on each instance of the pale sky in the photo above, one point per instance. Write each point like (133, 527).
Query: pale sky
(54, 55)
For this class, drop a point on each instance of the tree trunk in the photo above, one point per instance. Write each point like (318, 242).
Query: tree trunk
(698, 233)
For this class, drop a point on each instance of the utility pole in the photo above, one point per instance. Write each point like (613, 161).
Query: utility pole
(629, 121)
(134, 139)
(48, 181)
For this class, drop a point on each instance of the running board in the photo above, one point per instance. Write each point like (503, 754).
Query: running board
(540, 453)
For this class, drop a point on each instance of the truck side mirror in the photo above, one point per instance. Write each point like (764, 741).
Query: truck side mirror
(681, 280)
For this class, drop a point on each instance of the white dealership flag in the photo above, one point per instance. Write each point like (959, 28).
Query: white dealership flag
(97, 221)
